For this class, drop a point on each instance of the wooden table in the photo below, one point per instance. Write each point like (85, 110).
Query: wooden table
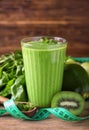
(52, 123)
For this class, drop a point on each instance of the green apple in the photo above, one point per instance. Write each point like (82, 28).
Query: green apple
(70, 60)
(85, 65)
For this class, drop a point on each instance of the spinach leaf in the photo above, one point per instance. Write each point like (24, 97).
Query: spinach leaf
(12, 79)
(4, 79)
(18, 89)
(7, 90)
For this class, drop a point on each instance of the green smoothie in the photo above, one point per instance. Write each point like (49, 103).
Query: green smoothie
(44, 65)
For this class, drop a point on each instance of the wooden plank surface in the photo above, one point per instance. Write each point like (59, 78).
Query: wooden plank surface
(52, 123)
(22, 18)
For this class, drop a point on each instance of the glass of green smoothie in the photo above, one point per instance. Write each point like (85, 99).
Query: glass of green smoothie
(44, 64)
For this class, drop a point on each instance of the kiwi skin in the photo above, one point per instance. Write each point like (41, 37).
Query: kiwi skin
(72, 101)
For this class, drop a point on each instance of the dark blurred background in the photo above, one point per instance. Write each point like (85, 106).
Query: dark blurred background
(64, 18)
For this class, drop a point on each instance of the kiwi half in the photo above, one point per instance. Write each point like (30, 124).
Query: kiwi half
(72, 101)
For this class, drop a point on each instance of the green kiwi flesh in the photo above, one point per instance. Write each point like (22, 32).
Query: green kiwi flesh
(72, 101)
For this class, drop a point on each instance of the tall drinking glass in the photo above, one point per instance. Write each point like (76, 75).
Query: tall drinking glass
(44, 65)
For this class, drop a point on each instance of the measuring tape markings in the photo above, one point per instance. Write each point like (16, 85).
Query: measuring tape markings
(2, 112)
(41, 114)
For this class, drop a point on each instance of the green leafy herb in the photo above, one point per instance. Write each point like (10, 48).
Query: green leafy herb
(48, 41)
(12, 79)
(18, 89)
(25, 106)
(7, 90)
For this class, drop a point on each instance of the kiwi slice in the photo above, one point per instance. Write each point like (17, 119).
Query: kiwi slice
(72, 101)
